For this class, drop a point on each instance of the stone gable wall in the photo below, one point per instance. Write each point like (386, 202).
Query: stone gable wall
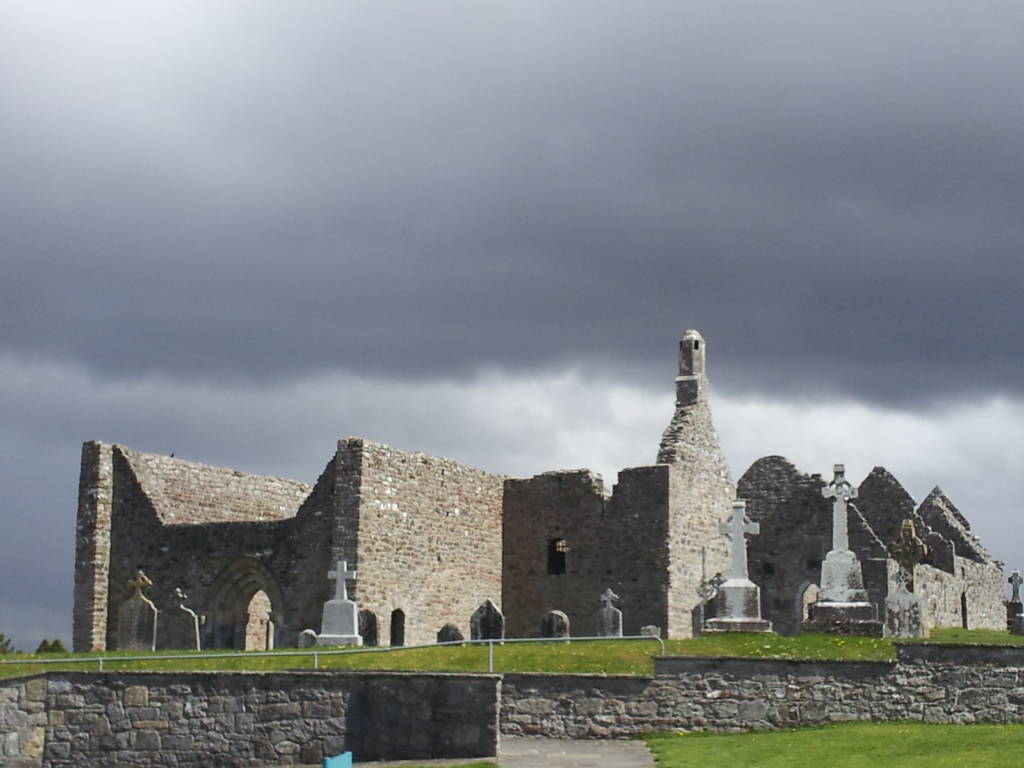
(195, 719)
(92, 548)
(189, 493)
(428, 540)
(219, 565)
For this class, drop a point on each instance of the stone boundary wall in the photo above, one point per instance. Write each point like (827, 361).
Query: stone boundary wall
(242, 719)
(929, 683)
(22, 721)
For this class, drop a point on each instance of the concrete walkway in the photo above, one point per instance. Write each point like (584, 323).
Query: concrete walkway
(527, 752)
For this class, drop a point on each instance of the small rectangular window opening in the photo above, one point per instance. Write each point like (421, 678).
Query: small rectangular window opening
(557, 549)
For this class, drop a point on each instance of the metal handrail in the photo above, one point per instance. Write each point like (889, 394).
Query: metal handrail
(316, 654)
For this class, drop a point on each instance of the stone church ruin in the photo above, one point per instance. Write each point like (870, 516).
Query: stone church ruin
(433, 540)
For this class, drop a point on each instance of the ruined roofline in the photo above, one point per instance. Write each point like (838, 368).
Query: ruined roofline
(175, 460)
(363, 445)
(184, 492)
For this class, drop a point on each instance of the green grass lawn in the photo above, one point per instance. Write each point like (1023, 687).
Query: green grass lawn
(619, 657)
(847, 745)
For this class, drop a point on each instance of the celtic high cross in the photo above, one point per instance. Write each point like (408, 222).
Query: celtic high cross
(840, 490)
(735, 528)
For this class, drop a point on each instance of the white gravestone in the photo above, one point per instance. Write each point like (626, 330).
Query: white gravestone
(609, 618)
(842, 604)
(1014, 606)
(340, 625)
(738, 601)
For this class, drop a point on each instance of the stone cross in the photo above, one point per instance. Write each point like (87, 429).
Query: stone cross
(1015, 581)
(840, 490)
(341, 576)
(735, 528)
(139, 583)
(908, 550)
(607, 597)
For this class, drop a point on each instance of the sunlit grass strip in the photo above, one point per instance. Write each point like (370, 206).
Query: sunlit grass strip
(847, 745)
(619, 657)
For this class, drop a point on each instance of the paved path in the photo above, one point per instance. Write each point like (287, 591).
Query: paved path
(526, 752)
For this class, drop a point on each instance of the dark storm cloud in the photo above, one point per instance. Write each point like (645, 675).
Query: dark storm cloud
(252, 192)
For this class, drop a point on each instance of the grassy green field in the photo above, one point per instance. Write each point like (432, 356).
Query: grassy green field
(848, 745)
(619, 657)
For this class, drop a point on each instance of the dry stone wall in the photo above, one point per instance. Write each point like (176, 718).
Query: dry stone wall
(933, 684)
(224, 719)
(22, 722)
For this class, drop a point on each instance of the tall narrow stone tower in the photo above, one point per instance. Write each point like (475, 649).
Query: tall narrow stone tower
(691, 429)
(700, 490)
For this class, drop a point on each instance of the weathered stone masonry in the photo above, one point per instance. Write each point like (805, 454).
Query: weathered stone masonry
(936, 684)
(431, 539)
(233, 719)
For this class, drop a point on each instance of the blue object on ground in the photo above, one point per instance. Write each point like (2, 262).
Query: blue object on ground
(344, 760)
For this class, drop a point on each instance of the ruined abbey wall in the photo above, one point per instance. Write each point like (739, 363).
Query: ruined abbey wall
(615, 543)
(427, 538)
(796, 533)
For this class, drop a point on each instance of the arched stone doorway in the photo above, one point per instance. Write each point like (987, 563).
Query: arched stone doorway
(245, 607)
(397, 627)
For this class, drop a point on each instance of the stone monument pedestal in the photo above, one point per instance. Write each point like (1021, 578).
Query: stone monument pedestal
(738, 608)
(340, 622)
(860, 618)
(340, 625)
(1014, 609)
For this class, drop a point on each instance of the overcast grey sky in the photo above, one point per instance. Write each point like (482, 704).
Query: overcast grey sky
(239, 231)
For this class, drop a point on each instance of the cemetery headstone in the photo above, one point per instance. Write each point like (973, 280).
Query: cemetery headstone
(555, 624)
(903, 611)
(449, 633)
(842, 605)
(487, 622)
(651, 630)
(307, 638)
(609, 618)
(340, 625)
(738, 599)
(137, 618)
(1014, 606)
(193, 618)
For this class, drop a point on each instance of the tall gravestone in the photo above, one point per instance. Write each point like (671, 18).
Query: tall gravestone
(904, 610)
(1014, 606)
(609, 618)
(842, 605)
(738, 601)
(555, 624)
(192, 619)
(487, 622)
(137, 618)
(340, 624)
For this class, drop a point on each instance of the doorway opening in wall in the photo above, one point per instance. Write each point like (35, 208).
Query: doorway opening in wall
(368, 627)
(397, 627)
(259, 629)
(963, 609)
